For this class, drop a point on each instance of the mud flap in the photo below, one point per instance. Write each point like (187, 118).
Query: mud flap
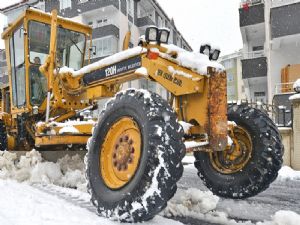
(217, 110)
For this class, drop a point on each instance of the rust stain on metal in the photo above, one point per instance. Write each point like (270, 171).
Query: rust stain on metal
(217, 109)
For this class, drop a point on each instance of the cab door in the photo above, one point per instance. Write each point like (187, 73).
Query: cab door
(18, 72)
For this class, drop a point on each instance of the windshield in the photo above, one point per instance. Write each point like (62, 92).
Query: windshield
(39, 41)
(70, 45)
(70, 48)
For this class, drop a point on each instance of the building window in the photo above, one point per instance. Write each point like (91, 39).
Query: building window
(63, 4)
(258, 48)
(260, 94)
(160, 22)
(105, 46)
(230, 77)
(102, 22)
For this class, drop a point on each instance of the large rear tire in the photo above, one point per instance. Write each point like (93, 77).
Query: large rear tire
(3, 137)
(134, 157)
(257, 165)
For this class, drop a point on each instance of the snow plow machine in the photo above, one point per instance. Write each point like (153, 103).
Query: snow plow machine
(136, 146)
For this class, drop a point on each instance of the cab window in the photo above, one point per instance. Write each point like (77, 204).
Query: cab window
(18, 68)
(39, 44)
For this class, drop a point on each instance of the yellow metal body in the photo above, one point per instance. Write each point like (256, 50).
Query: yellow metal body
(199, 99)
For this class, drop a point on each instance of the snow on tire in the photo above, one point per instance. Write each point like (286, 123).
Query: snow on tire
(147, 192)
(262, 167)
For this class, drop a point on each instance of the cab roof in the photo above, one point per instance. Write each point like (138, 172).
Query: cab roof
(40, 16)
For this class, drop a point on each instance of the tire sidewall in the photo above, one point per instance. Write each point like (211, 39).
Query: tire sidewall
(127, 108)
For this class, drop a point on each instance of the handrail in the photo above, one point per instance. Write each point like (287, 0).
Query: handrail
(284, 87)
(253, 54)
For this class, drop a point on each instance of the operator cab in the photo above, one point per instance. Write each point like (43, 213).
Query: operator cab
(27, 44)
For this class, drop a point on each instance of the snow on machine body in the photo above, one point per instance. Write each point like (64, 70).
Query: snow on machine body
(136, 147)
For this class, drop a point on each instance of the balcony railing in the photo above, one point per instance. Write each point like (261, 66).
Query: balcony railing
(253, 54)
(251, 2)
(284, 88)
(145, 21)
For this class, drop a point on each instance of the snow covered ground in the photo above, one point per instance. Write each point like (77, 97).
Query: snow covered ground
(36, 192)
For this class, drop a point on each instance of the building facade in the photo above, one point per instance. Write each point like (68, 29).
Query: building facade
(235, 84)
(271, 41)
(110, 20)
(3, 68)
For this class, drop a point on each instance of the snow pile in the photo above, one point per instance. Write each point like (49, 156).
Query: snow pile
(199, 205)
(186, 126)
(142, 71)
(67, 172)
(188, 159)
(194, 144)
(191, 201)
(297, 84)
(193, 60)
(68, 130)
(283, 218)
(287, 173)
(104, 62)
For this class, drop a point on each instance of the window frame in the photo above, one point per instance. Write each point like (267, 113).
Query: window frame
(14, 69)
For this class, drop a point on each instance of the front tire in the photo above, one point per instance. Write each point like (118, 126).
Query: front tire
(261, 165)
(142, 121)
(3, 137)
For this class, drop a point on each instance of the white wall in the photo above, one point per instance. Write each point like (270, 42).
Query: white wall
(279, 58)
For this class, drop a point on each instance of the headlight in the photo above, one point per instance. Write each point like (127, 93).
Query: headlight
(152, 34)
(205, 49)
(215, 54)
(164, 35)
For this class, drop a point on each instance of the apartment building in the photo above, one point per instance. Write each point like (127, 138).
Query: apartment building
(111, 19)
(271, 36)
(3, 68)
(235, 84)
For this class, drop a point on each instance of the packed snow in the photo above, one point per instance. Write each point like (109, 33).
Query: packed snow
(20, 180)
(186, 126)
(295, 97)
(142, 71)
(68, 130)
(67, 171)
(104, 62)
(202, 205)
(194, 144)
(287, 173)
(193, 60)
(297, 84)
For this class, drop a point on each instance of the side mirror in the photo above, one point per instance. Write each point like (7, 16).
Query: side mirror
(93, 50)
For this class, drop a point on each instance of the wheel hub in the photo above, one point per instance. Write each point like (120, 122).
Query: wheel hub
(236, 156)
(123, 153)
(120, 153)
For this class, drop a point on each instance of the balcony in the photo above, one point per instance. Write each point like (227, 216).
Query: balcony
(252, 12)
(254, 64)
(253, 55)
(106, 30)
(144, 21)
(285, 20)
(86, 6)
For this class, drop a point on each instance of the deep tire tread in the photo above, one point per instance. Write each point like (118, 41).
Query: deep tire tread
(3, 137)
(261, 170)
(169, 145)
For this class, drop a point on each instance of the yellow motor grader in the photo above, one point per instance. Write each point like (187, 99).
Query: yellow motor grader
(136, 147)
